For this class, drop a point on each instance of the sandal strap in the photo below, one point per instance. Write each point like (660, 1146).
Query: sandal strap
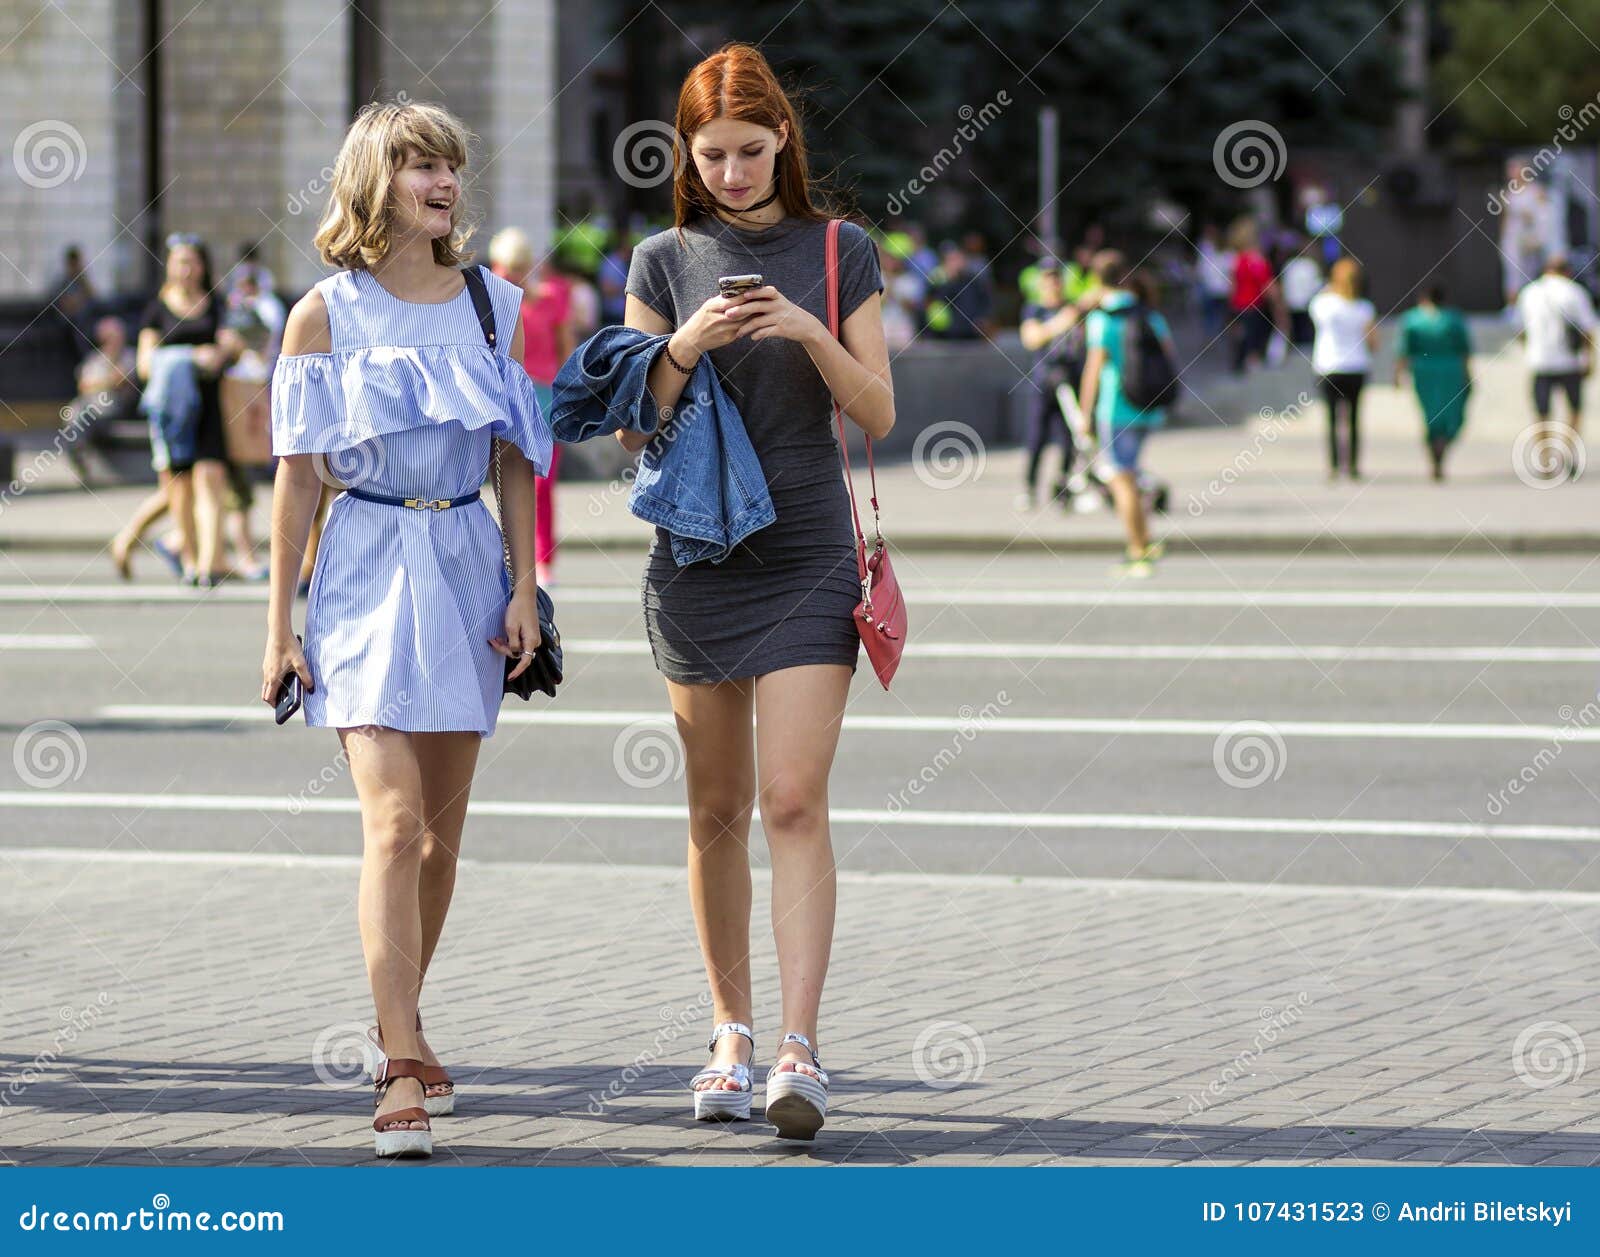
(393, 1067)
(402, 1115)
(731, 1027)
(804, 1042)
(739, 1074)
(821, 1074)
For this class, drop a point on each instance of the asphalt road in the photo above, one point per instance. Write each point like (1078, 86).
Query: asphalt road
(1308, 720)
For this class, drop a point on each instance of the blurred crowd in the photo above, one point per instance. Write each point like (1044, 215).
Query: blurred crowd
(187, 377)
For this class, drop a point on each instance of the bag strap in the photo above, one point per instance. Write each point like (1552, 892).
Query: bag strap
(831, 261)
(485, 309)
(480, 302)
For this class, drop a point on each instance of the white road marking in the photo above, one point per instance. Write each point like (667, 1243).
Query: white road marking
(970, 595)
(1182, 651)
(1111, 886)
(45, 641)
(907, 818)
(572, 717)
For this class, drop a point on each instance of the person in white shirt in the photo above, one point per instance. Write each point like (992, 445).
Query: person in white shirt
(1301, 279)
(1558, 326)
(1341, 354)
(1213, 267)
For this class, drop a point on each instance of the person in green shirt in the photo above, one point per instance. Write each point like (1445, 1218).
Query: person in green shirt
(1436, 348)
(1120, 425)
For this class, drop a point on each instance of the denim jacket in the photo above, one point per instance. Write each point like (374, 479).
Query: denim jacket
(700, 478)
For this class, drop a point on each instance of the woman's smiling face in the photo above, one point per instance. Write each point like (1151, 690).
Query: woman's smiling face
(424, 193)
(736, 159)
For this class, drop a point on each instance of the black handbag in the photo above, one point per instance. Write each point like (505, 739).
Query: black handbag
(544, 673)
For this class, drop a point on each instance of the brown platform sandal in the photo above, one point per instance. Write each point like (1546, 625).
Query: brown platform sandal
(404, 1142)
(438, 1088)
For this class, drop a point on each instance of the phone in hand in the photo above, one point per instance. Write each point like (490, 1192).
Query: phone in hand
(291, 693)
(738, 285)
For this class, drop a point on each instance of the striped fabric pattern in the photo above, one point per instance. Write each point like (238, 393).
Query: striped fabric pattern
(403, 601)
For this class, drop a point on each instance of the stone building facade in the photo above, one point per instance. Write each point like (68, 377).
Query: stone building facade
(124, 120)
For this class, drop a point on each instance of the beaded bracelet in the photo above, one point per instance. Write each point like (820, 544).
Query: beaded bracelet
(674, 363)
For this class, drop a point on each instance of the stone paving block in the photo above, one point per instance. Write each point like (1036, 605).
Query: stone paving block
(1079, 1024)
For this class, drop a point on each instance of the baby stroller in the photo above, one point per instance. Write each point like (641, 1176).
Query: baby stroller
(1089, 481)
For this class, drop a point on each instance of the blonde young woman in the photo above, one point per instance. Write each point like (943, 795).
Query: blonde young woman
(386, 381)
(768, 631)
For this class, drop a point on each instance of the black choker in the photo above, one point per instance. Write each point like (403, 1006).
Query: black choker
(750, 209)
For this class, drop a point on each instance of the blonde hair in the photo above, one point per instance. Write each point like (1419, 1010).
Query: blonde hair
(511, 248)
(1242, 236)
(356, 227)
(1344, 278)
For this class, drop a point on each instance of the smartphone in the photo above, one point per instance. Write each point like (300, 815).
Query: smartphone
(291, 693)
(738, 285)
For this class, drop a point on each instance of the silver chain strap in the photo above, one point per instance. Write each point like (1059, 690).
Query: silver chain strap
(500, 512)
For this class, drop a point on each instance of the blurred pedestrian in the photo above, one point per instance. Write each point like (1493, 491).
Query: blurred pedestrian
(73, 297)
(183, 349)
(1301, 280)
(547, 340)
(1121, 327)
(1346, 336)
(1047, 327)
(613, 281)
(960, 299)
(1558, 327)
(1436, 348)
(108, 391)
(901, 317)
(1214, 281)
(1255, 297)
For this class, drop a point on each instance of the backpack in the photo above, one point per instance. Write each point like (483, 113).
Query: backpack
(1149, 376)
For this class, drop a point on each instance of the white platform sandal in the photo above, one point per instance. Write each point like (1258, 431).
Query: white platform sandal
(797, 1094)
(725, 1104)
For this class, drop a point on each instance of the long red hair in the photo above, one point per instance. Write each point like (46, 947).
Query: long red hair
(736, 82)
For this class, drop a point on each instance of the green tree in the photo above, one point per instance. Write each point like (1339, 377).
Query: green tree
(1141, 90)
(1511, 65)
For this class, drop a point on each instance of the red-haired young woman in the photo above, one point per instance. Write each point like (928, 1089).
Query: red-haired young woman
(768, 632)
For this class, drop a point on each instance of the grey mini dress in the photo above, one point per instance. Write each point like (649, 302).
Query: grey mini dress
(785, 595)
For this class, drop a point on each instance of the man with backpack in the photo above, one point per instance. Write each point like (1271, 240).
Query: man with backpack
(1131, 376)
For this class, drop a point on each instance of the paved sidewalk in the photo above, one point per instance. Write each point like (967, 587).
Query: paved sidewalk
(179, 1011)
(1254, 478)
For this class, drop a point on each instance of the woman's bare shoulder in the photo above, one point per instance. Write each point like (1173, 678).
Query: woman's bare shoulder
(307, 329)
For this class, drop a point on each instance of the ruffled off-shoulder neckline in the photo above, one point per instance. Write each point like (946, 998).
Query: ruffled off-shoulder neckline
(330, 401)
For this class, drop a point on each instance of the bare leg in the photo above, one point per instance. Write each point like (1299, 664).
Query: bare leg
(798, 715)
(211, 487)
(388, 780)
(180, 500)
(1130, 510)
(150, 510)
(714, 723)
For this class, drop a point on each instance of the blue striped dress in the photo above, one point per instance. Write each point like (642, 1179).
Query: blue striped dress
(402, 601)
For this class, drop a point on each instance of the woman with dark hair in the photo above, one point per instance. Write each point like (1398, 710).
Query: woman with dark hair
(183, 349)
(1436, 348)
(767, 632)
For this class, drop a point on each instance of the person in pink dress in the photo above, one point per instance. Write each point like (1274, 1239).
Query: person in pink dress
(546, 306)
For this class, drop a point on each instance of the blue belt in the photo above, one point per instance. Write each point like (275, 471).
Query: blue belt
(416, 504)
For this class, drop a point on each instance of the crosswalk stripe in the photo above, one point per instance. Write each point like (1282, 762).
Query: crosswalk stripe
(976, 722)
(1341, 826)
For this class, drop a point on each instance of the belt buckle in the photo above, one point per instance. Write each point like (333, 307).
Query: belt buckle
(424, 504)
(440, 504)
